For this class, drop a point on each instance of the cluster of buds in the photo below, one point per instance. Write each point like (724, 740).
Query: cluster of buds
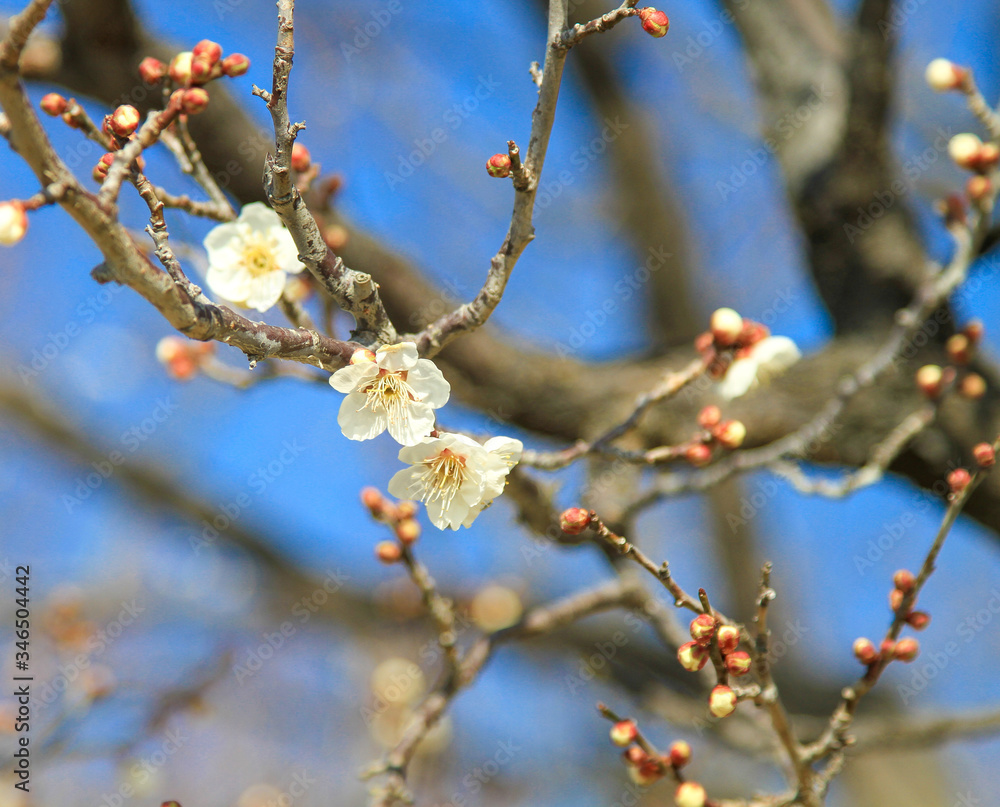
(645, 768)
(907, 649)
(195, 67)
(401, 516)
(498, 166)
(728, 335)
(715, 432)
(933, 380)
(182, 357)
(13, 222)
(654, 22)
(695, 654)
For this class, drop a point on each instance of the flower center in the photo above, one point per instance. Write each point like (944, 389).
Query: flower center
(258, 256)
(391, 393)
(443, 477)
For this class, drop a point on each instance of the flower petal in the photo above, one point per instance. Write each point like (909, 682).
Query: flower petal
(406, 484)
(286, 254)
(415, 426)
(358, 423)
(221, 237)
(428, 383)
(266, 290)
(233, 283)
(775, 355)
(353, 376)
(258, 216)
(450, 518)
(421, 451)
(739, 378)
(397, 357)
(507, 448)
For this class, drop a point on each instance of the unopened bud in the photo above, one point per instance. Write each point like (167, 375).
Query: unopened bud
(574, 520)
(865, 651)
(728, 639)
(722, 701)
(943, 75)
(726, 326)
(964, 150)
(929, 380)
(895, 599)
(301, 158)
(988, 157)
(125, 120)
(373, 499)
(407, 531)
(53, 104)
(180, 68)
(709, 417)
(703, 628)
(918, 620)
(646, 772)
(194, 101)
(235, 64)
(13, 222)
(738, 663)
(698, 454)
(406, 510)
(679, 753)
(388, 552)
(903, 579)
(498, 166)
(362, 356)
(974, 331)
(959, 348)
(906, 649)
(207, 49)
(985, 455)
(690, 794)
(730, 434)
(152, 70)
(972, 386)
(958, 480)
(654, 22)
(692, 656)
(623, 732)
(979, 188)
(100, 171)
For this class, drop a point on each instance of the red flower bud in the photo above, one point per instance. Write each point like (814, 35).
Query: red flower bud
(895, 599)
(194, 101)
(623, 732)
(574, 520)
(388, 552)
(703, 628)
(958, 480)
(903, 580)
(654, 23)
(407, 531)
(918, 620)
(728, 639)
(974, 331)
(125, 120)
(972, 386)
(979, 188)
(54, 104)
(180, 68)
(906, 649)
(152, 70)
(498, 166)
(679, 753)
(235, 64)
(301, 158)
(722, 701)
(985, 455)
(738, 663)
(864, 651)
(709, 417)
(373, 499)
(698, 454)
(692, 656)
(730, 434)
(207, 49)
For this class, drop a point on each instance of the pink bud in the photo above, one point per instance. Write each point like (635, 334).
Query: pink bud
(373, 499)
(388, 552)
(728, 639)
(698, 455)
(865, 651)
(207, 49)
(972, 386)
(152, 70)
(194, 101)
(180, 68)
(929, 380)
(703, 628)
(918, 620)
(985, 455)
(730, 434)
(895, 599)
(498, 166)
(236, 64)
(679, 753)
(906, 649)
(13, 222)
(301, 158)
(407, 531)
(709, 417)
(903, 580)
(125, 120)
(958, 480)
(974, 331)
(362, 355)
(738, 663)
(979, 188)
(654, 23)
(624, 732)
(692, 656)
(722, 701)
(54, 104)
(574, 520)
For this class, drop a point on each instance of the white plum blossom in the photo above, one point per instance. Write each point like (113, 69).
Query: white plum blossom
(758, 363)
(392, 388)
(454, 476)
(248, 258)
(13, 223)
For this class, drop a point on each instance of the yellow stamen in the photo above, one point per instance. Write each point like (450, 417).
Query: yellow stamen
(391, 393)
(258, 255)
(443, 477)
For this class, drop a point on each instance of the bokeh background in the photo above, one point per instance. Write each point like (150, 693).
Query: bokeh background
(181, 616)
